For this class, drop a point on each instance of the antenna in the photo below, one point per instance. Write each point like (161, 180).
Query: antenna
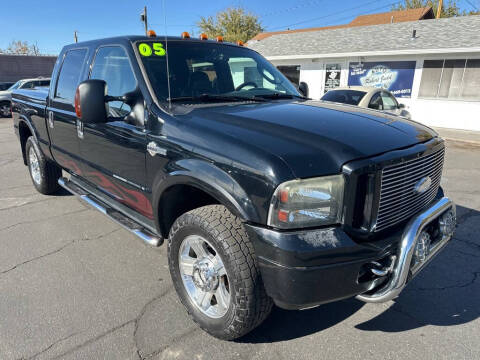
(75, 36)
(166, 50)
(144, 19)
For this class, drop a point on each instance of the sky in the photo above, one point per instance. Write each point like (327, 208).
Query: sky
(51, 23)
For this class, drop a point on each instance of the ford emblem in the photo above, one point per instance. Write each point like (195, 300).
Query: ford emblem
(422, 185)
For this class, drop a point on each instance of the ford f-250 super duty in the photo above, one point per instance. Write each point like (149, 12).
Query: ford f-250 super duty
(265, 196)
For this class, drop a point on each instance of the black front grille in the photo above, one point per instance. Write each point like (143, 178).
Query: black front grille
(398, 200)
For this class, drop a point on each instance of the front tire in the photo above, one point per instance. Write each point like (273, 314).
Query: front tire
(215, 272)
(44, 173)
(5, 109)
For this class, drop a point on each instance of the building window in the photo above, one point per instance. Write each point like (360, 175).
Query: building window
(457, 79)
(291, 72)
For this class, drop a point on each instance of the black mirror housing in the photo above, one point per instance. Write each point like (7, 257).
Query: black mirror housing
(303, 88)
(401, 106)
(90, 104)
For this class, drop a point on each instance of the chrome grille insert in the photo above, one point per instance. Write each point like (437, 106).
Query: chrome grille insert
(398, 199)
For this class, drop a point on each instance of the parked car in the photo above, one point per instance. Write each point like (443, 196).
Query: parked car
(367, 97)
(6, 95)
(5, 85)
(262, 195)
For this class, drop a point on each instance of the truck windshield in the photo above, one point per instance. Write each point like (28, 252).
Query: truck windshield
(16, 85)
(202, 71)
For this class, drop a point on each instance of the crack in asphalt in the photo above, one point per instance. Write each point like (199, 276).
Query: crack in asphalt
(44, 219)
(25, 203)
(134, 321)
(72, 242)
(174, 341)
(475, 274)
(51, 346)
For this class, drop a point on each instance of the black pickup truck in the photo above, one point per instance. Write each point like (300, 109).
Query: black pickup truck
(264, 195)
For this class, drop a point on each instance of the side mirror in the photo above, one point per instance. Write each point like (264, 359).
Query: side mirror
(401, 106)
(303, 88)
(90, 104)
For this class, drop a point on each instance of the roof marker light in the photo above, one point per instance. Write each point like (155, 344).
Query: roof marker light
(240, 43)
(203, 36)
(219, 38)
(151, 33)
(185, 35)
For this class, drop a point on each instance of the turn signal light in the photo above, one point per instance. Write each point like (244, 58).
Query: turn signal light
(219, 38)
(151, 33)
(185, 35)
(240, 43)
(203, 36)
(78, 111)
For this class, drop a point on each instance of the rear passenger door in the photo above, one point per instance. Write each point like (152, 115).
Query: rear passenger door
(114, 152)
(61, 117)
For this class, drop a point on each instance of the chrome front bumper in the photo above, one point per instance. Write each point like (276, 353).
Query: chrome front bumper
(403, 262)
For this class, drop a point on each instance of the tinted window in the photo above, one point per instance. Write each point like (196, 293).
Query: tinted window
(352, 97)
(431, 74)
(376, 102)
(292, 72)
(471, 80)
(70, 74)
(113, 66)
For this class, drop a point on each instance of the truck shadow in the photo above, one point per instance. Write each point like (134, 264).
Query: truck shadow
(445, 293)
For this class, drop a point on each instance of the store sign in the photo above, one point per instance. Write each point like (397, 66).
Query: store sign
(332, 76)
(395, 76)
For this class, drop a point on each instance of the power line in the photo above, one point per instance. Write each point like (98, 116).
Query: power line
(292, 8)
(336, 13)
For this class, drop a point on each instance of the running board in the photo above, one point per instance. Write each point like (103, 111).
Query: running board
(122, 220)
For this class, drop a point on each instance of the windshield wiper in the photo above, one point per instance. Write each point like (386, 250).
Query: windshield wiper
(282, 96)
(214, 98)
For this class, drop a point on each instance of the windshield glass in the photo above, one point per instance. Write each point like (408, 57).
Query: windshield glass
(352, 97)
(199, 69)
(16, 85)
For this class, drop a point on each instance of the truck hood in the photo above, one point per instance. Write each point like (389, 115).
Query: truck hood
(5, 95)
(312, 137)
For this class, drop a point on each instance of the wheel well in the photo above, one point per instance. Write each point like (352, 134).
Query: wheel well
(25, 133)
(177, 200)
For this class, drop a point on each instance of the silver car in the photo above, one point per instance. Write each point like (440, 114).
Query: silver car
(6, 95)
(367, 97)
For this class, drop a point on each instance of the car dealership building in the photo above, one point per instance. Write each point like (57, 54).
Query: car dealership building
(430, 65)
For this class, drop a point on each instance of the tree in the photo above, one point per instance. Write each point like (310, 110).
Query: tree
(233, 24)
(449, 9)
(18, 47)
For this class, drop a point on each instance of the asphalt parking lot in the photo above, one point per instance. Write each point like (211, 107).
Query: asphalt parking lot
(73, 285)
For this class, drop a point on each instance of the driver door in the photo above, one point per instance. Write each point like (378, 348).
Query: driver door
(114, 152)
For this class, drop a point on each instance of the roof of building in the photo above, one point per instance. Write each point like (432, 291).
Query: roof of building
(457, 34)
(364, 20)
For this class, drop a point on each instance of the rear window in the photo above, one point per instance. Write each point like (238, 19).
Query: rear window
(70, 74)
(352, 97)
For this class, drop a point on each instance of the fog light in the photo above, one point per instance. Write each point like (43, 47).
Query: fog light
(422, 248)
(447, 223)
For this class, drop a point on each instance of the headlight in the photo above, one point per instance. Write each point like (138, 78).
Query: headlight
(307, 203)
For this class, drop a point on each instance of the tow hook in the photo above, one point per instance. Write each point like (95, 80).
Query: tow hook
(380, 270)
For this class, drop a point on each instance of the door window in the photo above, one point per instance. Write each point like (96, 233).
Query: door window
(70, 73)
(113, 66)
(389, 102)
(376, 102)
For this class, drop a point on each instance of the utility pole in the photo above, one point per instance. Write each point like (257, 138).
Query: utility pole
(439, 9)
(143, 18)
(75, 36)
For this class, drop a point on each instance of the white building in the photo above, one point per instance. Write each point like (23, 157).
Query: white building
(432, 66)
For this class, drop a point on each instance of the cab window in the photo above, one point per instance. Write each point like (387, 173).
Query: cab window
(70, 73)
(112, 65)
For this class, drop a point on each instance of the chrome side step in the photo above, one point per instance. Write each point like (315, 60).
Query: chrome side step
(122, 220)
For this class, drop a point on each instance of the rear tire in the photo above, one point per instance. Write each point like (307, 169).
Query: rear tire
(225, 242)
(44, 173)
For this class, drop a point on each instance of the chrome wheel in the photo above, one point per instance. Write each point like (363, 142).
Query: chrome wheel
(34, 166)
(204, 276)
